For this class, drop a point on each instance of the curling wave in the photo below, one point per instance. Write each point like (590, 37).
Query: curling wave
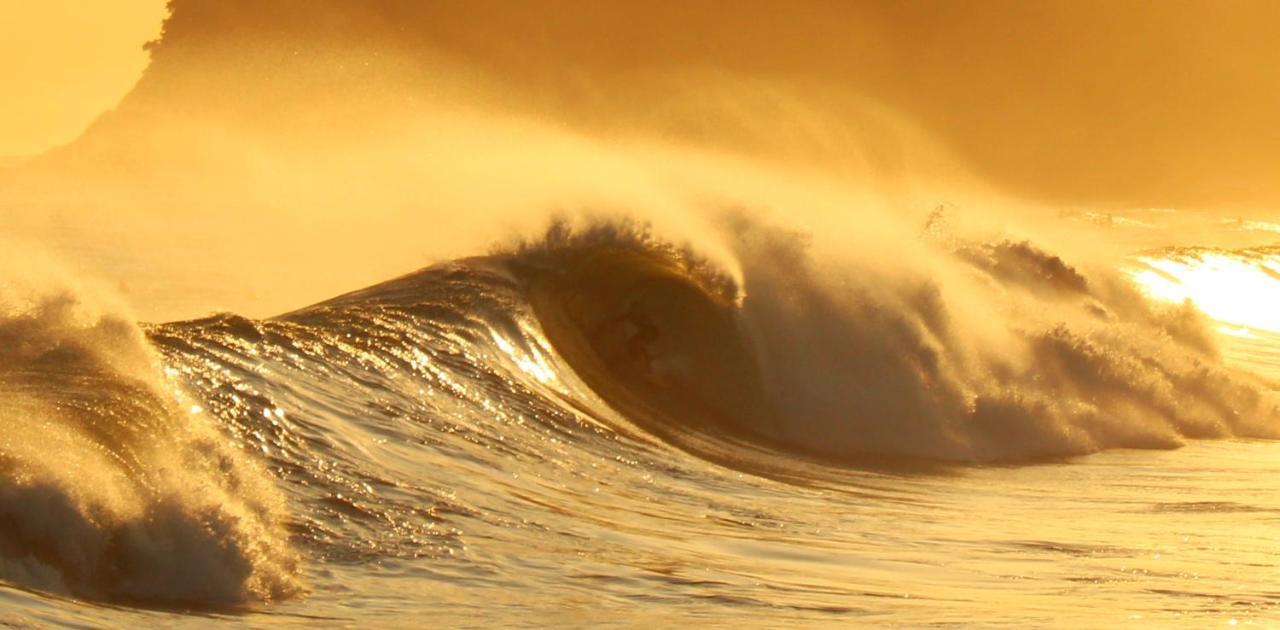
(848, 362)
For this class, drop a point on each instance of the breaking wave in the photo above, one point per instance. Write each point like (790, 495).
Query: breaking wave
(112, 486)
(128, 456)
(848, 362)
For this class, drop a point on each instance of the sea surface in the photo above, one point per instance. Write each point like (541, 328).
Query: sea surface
(603, 430)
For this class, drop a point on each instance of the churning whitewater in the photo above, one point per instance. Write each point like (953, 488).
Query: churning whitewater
(112, 488)
(204, 463)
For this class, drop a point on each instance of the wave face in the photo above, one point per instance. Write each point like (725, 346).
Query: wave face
(532, 378)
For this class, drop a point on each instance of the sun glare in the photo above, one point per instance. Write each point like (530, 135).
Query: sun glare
(1230, 289)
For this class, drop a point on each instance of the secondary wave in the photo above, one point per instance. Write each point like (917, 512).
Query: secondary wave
(110, 486)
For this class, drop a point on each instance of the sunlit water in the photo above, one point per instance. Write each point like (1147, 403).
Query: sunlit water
(444, 465)
(1185, 537)
(1238, 289)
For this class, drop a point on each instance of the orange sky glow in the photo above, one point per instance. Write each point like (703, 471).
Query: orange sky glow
(63, 62)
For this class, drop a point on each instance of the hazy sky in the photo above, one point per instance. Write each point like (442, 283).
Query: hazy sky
(1121, 102)
(63, 62)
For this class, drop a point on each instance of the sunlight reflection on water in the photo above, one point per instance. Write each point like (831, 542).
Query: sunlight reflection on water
(1241, 288)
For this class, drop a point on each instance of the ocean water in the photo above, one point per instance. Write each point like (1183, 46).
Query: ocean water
(602, 428)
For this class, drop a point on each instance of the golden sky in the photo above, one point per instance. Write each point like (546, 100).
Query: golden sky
(1116, 102)
(1168, 103)
(64, 62)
